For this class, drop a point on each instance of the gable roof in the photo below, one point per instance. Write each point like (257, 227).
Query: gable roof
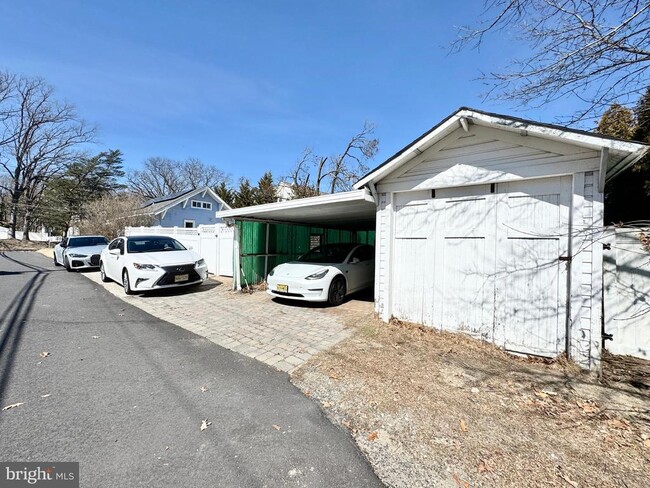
(622, 153)
(165, 198)
(162, 204)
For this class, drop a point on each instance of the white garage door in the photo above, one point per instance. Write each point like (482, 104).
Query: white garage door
(485, 260)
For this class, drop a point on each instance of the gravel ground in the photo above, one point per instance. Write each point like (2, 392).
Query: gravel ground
(439, 409)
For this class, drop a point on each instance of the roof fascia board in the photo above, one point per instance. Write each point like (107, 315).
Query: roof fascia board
(591, 141)
(506, 123)
(298, 203)
(411, 151)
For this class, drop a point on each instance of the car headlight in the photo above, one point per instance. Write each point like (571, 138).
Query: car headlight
(144, 266)
(199, 263)
(74, 255)
(318, 275)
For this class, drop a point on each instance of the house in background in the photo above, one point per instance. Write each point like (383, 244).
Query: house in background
(189, 208)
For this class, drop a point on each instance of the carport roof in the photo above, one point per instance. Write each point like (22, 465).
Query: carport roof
(347, 210)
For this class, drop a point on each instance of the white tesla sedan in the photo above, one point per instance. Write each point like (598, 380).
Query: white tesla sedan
(327, 273)
(144, 263)
(79, 252)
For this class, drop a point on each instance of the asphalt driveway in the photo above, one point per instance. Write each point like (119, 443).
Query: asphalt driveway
(125, 394)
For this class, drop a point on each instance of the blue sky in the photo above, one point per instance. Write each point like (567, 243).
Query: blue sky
(248, 85)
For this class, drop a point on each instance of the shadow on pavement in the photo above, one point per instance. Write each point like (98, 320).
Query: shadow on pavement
(15, 316)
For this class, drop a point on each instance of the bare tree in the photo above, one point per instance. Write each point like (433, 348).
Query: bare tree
(338, 172)
(198, 174)
(109, 215)
(158, 178)
(39, 136)
(597, 51)
(163, 176)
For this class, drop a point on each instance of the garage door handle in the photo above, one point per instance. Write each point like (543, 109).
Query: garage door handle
(565, 258)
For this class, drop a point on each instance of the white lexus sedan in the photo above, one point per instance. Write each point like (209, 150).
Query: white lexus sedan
(144, 263)
(79, 252)
(327, 273)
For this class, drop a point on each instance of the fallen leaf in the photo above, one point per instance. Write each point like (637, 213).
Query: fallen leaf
(372, 436)
(646, 443)
(460, 482)
(204, 424)
(44, 354)
(13, 405)
(589, 407)
(619, 424)
(346, 423)
(327, 404)
(463, 426)
(334, 376)
(569, 481)
(541, 394)
(549, 392)
(483, 466)
(276, 427)
(204, 389)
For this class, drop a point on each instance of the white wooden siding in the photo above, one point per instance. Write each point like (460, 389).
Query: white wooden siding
(486, 155)
(586, 276)
(627, 293)
(382, 256)
(483, 255)
(486, 263)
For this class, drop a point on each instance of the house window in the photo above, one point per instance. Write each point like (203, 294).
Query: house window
(188, 224)
(199, 204)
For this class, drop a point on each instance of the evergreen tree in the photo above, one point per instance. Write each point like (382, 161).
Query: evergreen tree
(226, 193)
(83, 181)
(627, 199)
(617, 121)
(265, 191)
(245, 195)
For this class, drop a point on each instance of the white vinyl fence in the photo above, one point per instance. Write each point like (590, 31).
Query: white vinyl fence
(34, 236)
(626, 277)
(213, 242)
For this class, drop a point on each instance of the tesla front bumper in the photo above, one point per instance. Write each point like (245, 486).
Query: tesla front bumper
(298, 289)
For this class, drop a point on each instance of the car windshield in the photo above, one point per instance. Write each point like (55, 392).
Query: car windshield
(87, 241)
(328, 253)
(153, 244)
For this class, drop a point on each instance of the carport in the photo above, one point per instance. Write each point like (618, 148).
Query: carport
(274, 233)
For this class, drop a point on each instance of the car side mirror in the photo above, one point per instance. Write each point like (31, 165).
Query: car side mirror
(114, 252)
(190, 248)
(355, 261)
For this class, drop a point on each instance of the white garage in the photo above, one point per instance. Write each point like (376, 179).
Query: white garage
(491, 225)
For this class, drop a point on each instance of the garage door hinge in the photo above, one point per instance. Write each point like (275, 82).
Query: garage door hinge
(565, 258)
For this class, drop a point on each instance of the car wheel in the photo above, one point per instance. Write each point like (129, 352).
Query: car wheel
(66, 263)
(102, 273)
(337, 290)
(126, 284)
(56, 263)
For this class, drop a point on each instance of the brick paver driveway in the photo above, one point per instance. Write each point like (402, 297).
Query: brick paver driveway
(281, 334)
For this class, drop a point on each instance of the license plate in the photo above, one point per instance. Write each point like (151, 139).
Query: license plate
(184, 277)
(284, 288)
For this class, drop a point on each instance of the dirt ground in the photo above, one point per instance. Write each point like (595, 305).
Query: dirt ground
(18, 245)
(438, 409)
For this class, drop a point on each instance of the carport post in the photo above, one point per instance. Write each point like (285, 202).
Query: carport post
(266, 257)
(236, 282)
